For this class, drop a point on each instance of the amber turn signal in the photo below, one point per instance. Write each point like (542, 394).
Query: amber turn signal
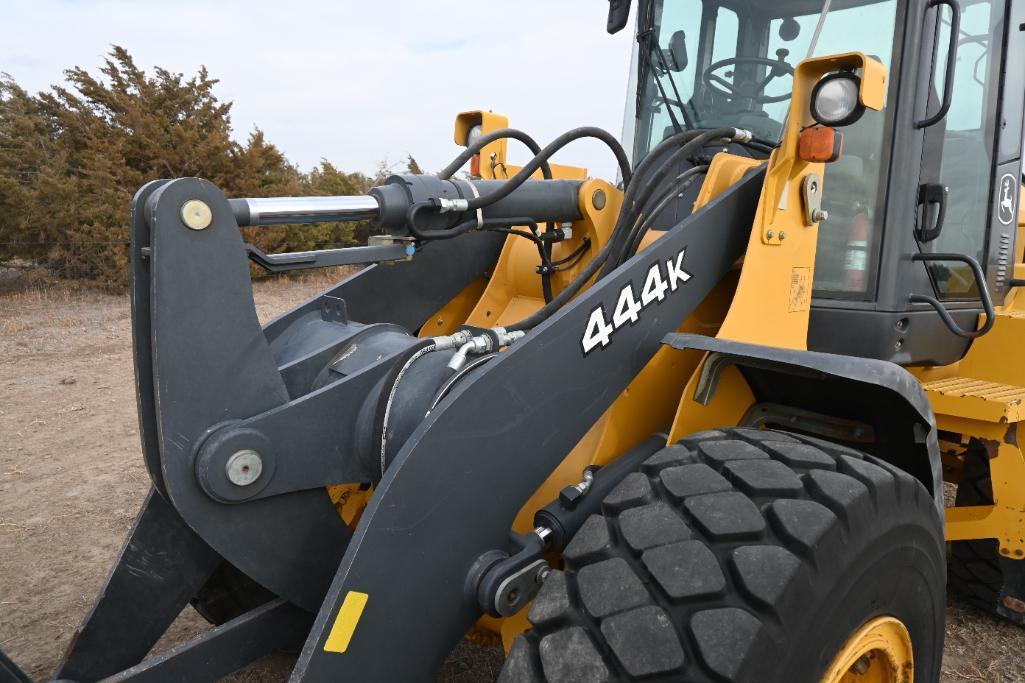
(820, 144)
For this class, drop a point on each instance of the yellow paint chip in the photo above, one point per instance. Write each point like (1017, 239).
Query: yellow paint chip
(345, 622)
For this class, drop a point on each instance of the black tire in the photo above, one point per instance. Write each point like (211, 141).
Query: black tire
(740, 555)
(227, 594)
(974, 566)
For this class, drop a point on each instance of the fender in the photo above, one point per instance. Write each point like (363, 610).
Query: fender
(878, 393)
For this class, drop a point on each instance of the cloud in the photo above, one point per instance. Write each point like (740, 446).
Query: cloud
(355, 82)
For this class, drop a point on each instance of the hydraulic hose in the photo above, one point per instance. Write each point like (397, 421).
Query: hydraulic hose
(485, 140)
(403, 363)
(630, 197)
(680, 183)
(634, 210)
(460, 374)
(543, 249)
(558, 143)
(424, 235)
(394, 377)
(619, 240)
(560, 300)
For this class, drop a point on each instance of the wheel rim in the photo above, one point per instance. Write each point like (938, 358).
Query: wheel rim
(879, 652)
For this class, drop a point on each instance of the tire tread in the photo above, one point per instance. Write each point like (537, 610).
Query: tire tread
(754, 501)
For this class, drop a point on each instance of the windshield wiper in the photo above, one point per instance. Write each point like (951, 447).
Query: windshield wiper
(818, 29)
(649, 47)
(672, 81)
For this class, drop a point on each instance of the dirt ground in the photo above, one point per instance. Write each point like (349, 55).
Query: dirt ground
(72, 480)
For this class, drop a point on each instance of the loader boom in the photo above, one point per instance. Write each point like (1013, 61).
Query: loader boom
(634, 431)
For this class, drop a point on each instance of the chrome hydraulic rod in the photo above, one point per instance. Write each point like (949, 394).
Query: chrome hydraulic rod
(295, 210)
(387, 205)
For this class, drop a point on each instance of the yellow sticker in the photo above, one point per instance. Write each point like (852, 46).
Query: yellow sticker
(345, 622)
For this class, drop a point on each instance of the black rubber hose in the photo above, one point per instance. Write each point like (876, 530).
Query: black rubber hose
(546, 311)
(379, 437)
(588, 271)
(456, 377)
(642, 170)
(575, 256)
(546, 262)
(543, 250)
(558, 143)
(636, 210)
(422, 235)
(620, 233)
(680, 183)
(484, 140)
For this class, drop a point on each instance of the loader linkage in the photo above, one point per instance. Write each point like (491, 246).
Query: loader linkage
(243, 429)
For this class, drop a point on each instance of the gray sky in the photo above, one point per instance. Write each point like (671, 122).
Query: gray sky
(353, 81)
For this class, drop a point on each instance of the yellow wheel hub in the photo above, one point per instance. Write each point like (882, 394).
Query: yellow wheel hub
(879, 652)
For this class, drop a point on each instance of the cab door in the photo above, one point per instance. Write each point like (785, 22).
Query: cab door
(971, 160)
(951, 190)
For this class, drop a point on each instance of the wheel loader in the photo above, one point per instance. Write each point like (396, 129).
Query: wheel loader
(693, 423)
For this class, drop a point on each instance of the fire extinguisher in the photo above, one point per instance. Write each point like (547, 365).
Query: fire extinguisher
(855, 267)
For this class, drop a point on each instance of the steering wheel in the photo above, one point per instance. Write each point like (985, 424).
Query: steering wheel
(752, 91)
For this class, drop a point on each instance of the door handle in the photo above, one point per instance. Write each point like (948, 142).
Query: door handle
(948, 82)
(928, 195)
(980, 281)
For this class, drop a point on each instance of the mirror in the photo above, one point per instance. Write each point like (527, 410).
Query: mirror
(619, 15)
(676, 55)
(789, 29)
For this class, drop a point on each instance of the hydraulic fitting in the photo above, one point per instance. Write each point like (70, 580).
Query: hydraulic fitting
(492, 340)
(446, 205)
(452, 341)
(476, 345)
(741, 135)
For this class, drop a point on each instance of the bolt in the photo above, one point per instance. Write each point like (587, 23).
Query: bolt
(782, 235)
(770, 234)
(598, 199)
(512, 596)
(542, 574)
(196, 215)
(244, 467)
(818, 215)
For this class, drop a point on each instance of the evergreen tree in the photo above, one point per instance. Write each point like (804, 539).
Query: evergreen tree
(71, 159)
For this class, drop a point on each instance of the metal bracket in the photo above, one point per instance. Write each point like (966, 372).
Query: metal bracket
(300, 444)
(226, 648)
(811, 199)
(407, 243)
(333, 310)
(324, 258)
(716, 364)
(506, 586)
(825, 426)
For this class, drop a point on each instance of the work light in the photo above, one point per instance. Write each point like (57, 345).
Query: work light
(835, 99)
